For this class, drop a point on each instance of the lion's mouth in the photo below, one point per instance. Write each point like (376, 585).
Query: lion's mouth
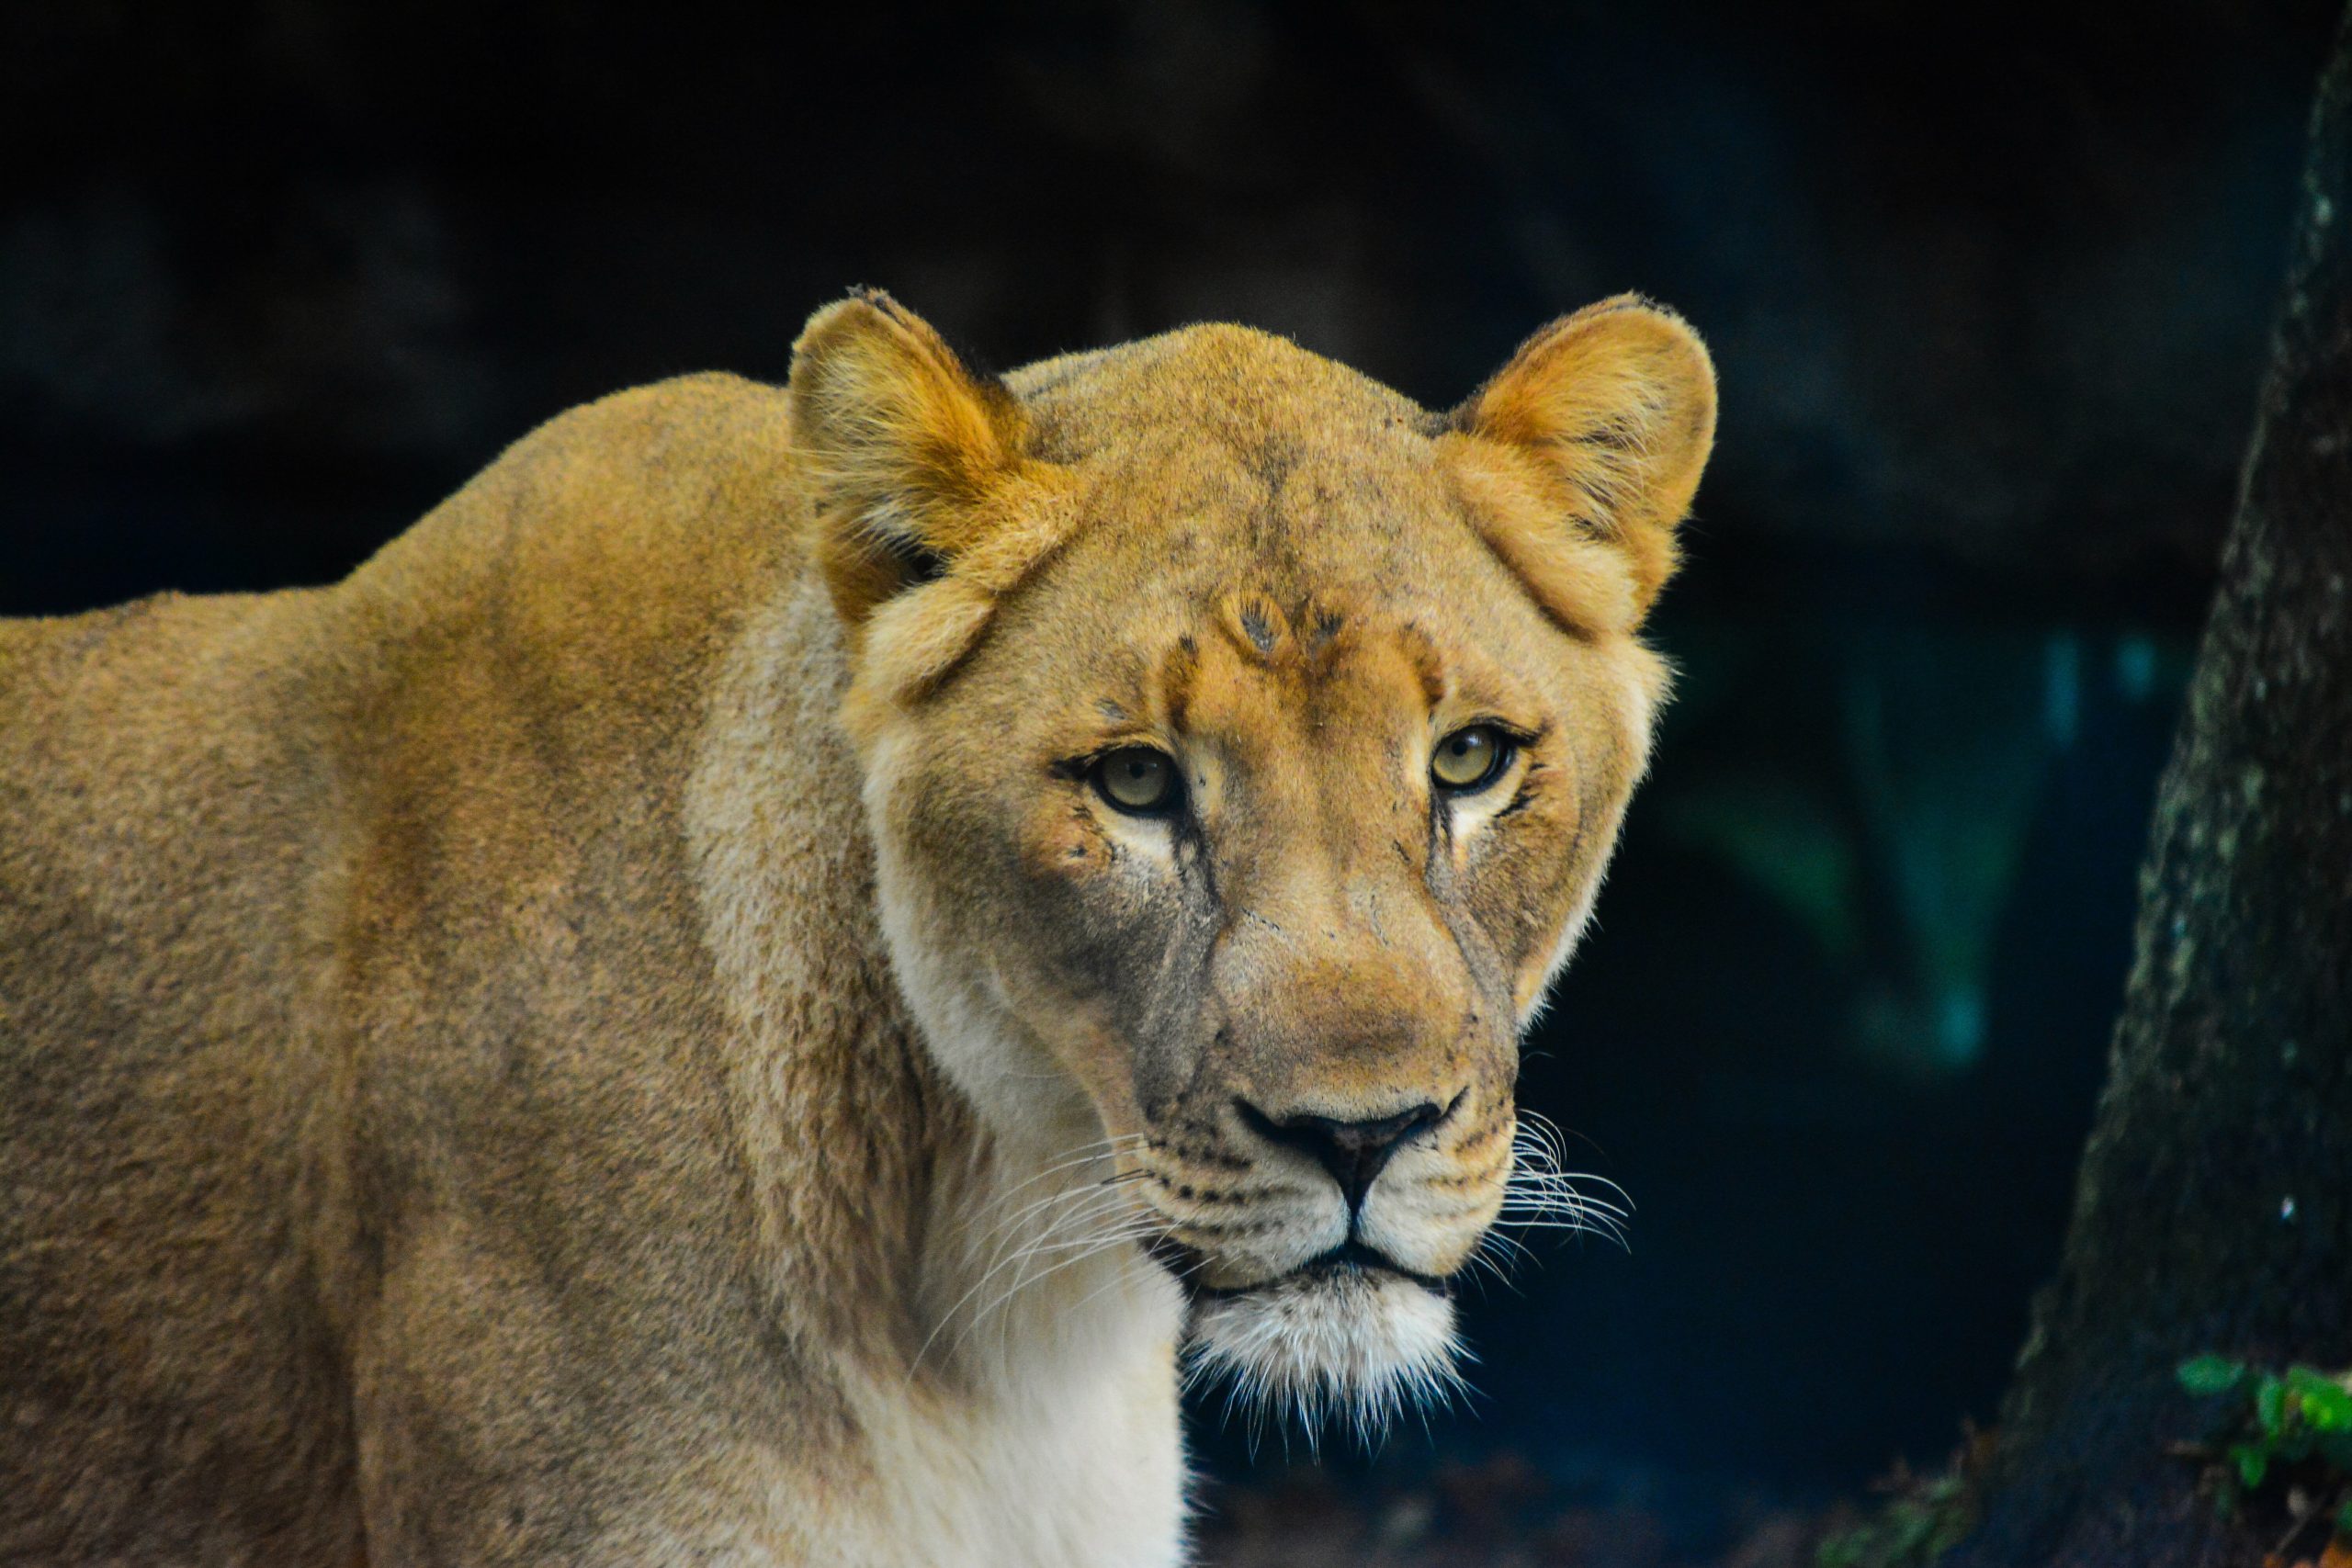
(1350, 1258)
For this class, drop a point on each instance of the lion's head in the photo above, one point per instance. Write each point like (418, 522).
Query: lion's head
(1243, 745)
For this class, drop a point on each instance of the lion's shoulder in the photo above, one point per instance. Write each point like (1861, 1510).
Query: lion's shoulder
(701, 445)
(632, 517)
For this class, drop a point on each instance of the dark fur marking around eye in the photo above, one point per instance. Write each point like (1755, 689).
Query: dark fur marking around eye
(1404, 854)
(1441, 876)
(1193, 860)
(1528, 793)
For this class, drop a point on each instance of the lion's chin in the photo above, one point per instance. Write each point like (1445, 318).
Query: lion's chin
(1361, 1344)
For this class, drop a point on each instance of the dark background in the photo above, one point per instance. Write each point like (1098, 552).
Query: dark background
(1989, 289)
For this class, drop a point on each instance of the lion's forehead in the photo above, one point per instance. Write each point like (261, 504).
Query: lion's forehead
(1169, 545)
(1297, 477)
(1351, 643)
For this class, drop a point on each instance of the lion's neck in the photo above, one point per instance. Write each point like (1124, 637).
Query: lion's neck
(1032, 1261)
(839, 1119)
(889, 1220)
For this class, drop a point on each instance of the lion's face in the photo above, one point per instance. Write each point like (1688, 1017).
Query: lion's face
(1232, 819)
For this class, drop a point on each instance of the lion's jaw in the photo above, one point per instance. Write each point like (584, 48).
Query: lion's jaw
(1356, 1344)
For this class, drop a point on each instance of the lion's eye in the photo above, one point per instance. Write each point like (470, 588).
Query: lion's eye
(1137, 779)
(1471, 758)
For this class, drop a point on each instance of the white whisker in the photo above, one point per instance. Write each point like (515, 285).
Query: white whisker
(1001, 1236)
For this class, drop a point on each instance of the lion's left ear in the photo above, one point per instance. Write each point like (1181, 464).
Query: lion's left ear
(1605, 419)
(925, 503)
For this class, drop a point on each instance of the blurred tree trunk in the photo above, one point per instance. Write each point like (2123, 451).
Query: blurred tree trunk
(2215, 1205)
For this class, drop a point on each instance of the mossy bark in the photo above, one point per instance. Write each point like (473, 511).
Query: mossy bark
(2214, 1210)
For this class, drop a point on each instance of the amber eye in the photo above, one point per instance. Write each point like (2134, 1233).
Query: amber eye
(1471, 758)
(1137, 779)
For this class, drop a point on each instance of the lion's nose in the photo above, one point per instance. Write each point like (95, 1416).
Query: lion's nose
(1353, 1152)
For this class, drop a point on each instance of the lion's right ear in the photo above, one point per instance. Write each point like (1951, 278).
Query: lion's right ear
(919, 478)
(1583, 454)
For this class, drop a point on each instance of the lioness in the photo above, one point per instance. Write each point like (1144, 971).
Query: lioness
(739, 992)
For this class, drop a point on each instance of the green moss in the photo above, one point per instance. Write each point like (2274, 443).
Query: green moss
(1910, 1532)
(1924, 1517)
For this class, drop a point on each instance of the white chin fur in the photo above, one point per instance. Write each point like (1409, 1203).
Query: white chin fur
(1360, 1345)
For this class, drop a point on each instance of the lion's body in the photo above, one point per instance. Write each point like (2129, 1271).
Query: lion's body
(623, 1034)
(385, 1032)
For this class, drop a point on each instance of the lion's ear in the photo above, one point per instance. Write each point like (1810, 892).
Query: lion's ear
(1610, 414)
(915, 465)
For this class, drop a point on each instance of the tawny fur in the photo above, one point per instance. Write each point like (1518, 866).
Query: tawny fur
(615, 1034)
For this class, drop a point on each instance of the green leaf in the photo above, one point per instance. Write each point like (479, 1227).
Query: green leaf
(2343, 1519)
(2327, 1405)
(2207, 1375)
(2253, 1463)
(2270, 1405)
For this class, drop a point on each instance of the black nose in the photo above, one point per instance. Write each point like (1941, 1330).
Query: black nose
(1353, 1152)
